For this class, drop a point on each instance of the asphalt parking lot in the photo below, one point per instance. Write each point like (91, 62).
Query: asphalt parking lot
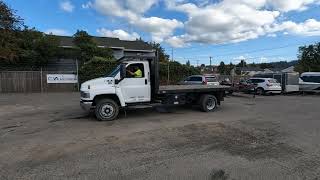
(48, 136)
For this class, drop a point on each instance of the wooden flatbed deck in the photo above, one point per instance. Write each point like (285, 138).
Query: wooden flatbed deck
(191, 88)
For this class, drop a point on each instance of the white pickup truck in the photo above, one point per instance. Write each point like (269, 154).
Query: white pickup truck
(106, 95)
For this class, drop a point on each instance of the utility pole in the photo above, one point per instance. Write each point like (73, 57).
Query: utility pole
(172, 54)
(168, 80)
(197, 63)
(210, 64)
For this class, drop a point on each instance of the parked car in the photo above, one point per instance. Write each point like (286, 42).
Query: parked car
(309, 82)
(244, 86)
(200, 80)
(265, 85)
(227, 82)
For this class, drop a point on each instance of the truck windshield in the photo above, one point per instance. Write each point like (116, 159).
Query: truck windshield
(114, 72)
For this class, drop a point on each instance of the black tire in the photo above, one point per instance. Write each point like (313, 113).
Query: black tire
(260, 91)
(106, 110)
(208, 103)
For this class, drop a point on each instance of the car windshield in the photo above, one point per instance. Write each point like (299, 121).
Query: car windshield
(114, 72)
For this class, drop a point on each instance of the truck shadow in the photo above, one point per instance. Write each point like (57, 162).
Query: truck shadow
(158, 110)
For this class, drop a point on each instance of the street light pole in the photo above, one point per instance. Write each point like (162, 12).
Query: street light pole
(210, 64)
(168, 80)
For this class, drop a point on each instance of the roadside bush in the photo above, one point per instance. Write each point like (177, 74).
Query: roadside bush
(96, 67)
(177, 72)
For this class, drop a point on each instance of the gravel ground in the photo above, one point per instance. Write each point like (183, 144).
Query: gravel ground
(48, 136)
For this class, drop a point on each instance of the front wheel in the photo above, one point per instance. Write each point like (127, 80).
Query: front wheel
(106, 110)
(208, 103)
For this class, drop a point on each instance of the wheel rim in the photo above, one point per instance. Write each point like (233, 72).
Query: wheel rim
(107, 111)
(260, 91)
(211, 104)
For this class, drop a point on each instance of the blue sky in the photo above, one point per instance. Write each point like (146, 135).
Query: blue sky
(228, 30)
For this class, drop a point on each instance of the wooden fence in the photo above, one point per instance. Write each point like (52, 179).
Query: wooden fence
(32, 81)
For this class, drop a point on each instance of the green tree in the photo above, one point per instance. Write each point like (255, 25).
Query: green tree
(163, 57)
(87, 47)
(36, 48)
(96, 67)
(229, 68)
(8, 18)
(222, 68)
(9, 24)
(309, 58)
(242, 64)
(188, 63)
(265, 65)
(253, 65)
(177, 72)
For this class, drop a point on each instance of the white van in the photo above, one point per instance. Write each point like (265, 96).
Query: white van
(310, 81)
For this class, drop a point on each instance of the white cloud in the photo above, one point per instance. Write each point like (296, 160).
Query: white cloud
(231, 21)
(291, 5)
(158, 27)
(238, 59)
(133, 11)
(271, 35)
(176, 42)
(225, 22)
(130, 9)
(59, 32)
(310, 27)
(211, 22)
(67, 6)
(262, 60)
(119, 33)
(87, 5)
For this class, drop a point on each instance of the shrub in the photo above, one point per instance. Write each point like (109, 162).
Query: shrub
(177, 72)
(96, 67)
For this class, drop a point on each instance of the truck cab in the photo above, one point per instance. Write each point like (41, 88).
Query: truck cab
(121, 86)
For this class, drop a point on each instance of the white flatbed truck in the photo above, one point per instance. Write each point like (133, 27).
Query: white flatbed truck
(106, 95)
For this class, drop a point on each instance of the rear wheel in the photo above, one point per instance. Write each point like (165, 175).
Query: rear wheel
(106, 110)
(260, 91)
(208, 103)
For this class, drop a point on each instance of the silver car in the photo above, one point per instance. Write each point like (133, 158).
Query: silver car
(200, 80)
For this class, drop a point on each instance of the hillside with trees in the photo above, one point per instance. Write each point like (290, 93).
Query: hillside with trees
(309, 58)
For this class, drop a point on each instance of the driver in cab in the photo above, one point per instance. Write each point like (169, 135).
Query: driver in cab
(137, 73)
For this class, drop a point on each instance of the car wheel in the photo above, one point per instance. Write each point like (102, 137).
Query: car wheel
(106, 110)
(208, 103)
(260, 91)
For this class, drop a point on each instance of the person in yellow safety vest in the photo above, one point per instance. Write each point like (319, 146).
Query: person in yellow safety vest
(137, 73)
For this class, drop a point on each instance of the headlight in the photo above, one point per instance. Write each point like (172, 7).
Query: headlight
(84, 94)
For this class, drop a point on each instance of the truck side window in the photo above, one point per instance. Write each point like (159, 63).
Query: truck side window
(135, 71)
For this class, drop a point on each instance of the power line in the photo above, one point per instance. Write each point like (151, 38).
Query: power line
(252, 51)
(259, 50)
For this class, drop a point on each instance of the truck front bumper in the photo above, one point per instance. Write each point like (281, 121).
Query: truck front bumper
(86, 105)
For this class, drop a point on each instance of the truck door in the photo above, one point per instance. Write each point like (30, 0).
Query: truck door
(136, 86)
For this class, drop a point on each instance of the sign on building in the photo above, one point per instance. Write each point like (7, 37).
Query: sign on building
(62, 78)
